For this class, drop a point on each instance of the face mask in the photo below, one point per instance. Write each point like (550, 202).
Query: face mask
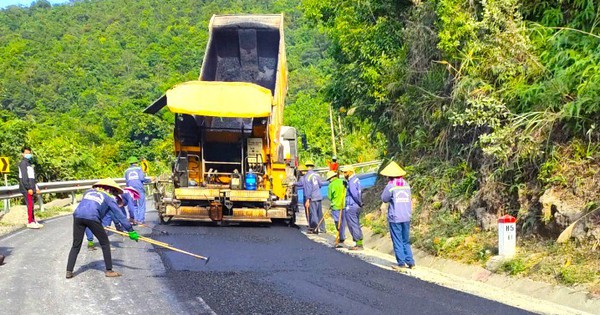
(28, 156)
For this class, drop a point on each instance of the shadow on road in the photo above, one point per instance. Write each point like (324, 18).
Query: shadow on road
(5, 251)
(99, 265)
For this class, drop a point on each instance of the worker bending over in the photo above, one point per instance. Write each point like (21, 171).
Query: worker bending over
(126, 199)
(94, 206)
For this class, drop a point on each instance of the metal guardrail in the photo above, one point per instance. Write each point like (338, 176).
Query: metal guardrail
(364, 167)
(54, 187)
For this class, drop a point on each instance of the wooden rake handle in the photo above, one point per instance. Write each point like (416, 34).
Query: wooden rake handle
(161, 244)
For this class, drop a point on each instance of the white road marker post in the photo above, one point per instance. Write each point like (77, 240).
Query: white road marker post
(507, 236)
(6, 201)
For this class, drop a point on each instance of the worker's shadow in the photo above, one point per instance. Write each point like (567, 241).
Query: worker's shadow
(99, 265)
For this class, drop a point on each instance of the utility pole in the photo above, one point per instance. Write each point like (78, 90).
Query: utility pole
(341, 132)
(332, 132)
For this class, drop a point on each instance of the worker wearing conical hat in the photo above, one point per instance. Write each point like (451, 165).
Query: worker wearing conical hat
(354, 206)
(127, 199)
(313, 199)
(94, 206)
(397, 194)
(336, 193)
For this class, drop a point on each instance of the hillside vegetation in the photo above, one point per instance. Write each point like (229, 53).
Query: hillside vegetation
(493, 107)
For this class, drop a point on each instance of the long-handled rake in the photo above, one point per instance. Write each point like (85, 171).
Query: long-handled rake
(161, 244)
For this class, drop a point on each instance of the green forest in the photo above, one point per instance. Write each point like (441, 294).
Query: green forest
(492, 106)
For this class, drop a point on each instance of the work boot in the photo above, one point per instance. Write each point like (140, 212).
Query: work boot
(91, 245)
(356, 248)
(112, 274)
(69, 274)
(1, 260)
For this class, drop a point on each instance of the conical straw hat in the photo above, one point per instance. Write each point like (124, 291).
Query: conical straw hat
(393, 170)
(109, 182)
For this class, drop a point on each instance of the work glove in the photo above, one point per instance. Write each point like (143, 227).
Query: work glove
(134, 235)
(30, 192)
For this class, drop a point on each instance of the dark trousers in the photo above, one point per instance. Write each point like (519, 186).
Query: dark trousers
(97, 229)
(352, 215)
(316, 214)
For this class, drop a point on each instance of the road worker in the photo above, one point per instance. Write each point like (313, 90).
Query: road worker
(134, 177)
(94, 206)
(313, 198)
(133, 195)
(300, 183)
(333, 165)
(397, 194)
(125, 200)
(354, 205)
(336, 193)
(28, 186)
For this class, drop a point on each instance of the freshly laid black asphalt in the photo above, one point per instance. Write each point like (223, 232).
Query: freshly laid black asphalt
(252, 270)
(277, 270)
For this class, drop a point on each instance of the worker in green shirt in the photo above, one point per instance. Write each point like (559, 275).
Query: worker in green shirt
(337, 195)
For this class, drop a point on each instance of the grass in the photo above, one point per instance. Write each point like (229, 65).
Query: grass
(52, 212)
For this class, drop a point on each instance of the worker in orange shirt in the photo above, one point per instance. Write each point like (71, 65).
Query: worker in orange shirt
(333, 165)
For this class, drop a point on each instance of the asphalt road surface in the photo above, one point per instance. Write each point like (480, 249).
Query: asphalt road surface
(252, 270)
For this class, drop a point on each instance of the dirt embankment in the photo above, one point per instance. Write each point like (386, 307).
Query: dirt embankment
(455, 216)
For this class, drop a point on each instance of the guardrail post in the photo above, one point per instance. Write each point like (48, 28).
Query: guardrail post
(72, 198)
(41, 202)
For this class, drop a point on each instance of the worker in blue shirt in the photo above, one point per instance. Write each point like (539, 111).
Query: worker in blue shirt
(300, 185)
(312, 199)
(94, 206)
(353, 207)
(126, 199)
(134, 177)
(397, 194)
(132, 198)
